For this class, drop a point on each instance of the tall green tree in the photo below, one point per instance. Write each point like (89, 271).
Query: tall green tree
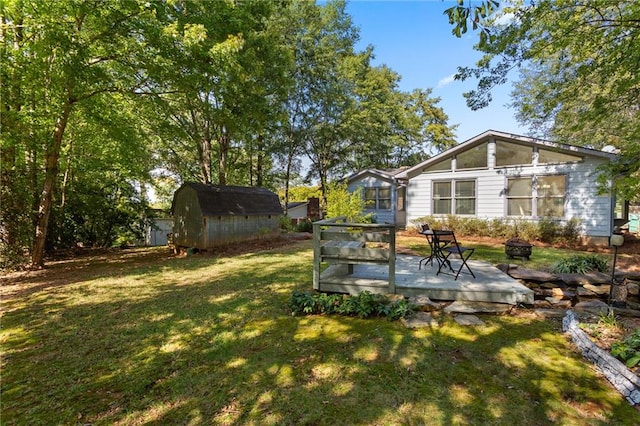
(56, 56)
(579, 81)
(217, 85)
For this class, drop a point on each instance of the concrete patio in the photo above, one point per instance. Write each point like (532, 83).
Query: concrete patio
(490, 284)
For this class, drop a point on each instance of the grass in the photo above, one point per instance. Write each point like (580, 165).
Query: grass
(150, 339)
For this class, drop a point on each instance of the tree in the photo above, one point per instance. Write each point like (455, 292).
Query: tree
(341, 202)
(579, 81)
(60, 55)
(218, 86)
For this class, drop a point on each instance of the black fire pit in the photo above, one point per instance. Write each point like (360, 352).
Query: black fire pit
(516, 247)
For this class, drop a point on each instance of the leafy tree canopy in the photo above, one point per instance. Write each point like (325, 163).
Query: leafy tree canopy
(578, 63)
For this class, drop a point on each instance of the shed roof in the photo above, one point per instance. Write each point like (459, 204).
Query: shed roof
(217, 200)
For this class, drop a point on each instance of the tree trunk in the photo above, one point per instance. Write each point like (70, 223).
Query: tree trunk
(224, 154)
(46, 198)
(205, 161)
(259, 161)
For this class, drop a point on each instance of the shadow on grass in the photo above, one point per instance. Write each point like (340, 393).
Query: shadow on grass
(200, 342)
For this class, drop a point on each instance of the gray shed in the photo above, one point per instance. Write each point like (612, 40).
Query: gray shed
(206, 216)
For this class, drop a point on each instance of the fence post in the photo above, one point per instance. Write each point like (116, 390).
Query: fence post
(316, 255)
(392, 259)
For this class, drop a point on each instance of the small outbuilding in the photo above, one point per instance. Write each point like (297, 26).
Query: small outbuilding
(206, 216)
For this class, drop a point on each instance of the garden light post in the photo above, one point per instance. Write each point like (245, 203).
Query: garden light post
(617, 293)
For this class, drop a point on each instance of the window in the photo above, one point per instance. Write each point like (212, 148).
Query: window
(377, 198)
(465, 197)
(519, 196)
(544, 198)
(442, 197)
(440, 166)
(548, 156)
(550, 196)
(474, 158)
(461, 201)
(509, 154)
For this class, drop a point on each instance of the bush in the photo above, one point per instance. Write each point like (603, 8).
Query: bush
(580, 264)
(628, 351)
(286, 224)
(364, 305)
(549, 230)
(12, 258)
(546, 230)
(570, 232)
(305, 226)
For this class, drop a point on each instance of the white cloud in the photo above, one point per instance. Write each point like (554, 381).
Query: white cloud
(447, 80)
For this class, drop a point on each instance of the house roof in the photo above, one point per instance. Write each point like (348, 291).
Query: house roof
(216, 200)
(386, 174)
(294, 204)
(510, 137)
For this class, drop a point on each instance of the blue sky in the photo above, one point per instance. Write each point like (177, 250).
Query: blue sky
(414, 39)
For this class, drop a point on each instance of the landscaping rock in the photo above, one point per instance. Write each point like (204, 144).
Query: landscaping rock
(419, 320)
(555, 292)
(633, 288)
(553, 300)
(541, 304)
(531, 275)
(550, 313)
(551, 285)
(582, 279)
(424, 304)
(585, 292)
(598, 289)
(627, 312)
(596, 307)
(467, 307)
(468, 320)
(557, 302)
(394, 297)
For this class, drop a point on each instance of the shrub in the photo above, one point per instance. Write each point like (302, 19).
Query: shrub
(305, 226)
(570, 232)
(628, 351)
(549, 230)
(363, 305)
(285, 224)
(580, 264)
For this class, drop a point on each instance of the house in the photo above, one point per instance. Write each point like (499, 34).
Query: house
(501, 175)
(383, 192)
(299, 211)
(159, 231)
(206, 216)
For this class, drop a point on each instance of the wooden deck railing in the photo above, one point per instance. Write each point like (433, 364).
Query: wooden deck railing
(343, 245)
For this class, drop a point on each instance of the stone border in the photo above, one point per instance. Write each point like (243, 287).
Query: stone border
(625, 381)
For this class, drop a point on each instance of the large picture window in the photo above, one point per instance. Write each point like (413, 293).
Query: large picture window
(510, 154)
(540, 196)
(474, 158)
(454, 197)
(377, 198)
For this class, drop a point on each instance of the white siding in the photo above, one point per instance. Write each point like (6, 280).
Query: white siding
(582, 199)
(382, 216)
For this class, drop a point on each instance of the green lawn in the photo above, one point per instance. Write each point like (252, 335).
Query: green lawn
(208, 340)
